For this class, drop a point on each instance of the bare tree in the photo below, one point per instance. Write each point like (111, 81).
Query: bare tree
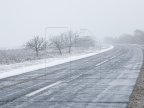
(57, 42)
(69, 39)
(36, 44)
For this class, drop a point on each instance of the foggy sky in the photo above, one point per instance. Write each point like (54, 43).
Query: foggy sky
(20, 20)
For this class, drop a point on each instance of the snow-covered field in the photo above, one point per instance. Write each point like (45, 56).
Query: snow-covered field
(20, 68)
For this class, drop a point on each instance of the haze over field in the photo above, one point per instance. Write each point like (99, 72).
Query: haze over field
(20, 20)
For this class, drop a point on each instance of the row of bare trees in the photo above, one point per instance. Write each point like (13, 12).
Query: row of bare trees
(64, 40)
(59, 42)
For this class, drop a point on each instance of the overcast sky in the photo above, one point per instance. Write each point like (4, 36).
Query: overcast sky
(20, 20)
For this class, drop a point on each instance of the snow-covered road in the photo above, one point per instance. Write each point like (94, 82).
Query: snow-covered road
(104, 80)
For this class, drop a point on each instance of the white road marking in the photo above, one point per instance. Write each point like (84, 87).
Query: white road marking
(102, 62)
(106, 61)
(44, 88)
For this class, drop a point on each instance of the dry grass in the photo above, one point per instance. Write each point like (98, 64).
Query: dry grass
(137, 97)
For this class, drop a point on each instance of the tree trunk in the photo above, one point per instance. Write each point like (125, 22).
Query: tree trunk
(37, 53)
(69, 49)
(60, 51)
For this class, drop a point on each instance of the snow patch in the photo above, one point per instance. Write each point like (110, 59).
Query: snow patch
(49, 62)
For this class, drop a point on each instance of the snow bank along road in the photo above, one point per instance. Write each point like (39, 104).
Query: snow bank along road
(105, 80)
(46, 63)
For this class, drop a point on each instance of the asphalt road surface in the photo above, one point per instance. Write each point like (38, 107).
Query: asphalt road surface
(105, 80)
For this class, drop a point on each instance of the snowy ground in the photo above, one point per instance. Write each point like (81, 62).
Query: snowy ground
(20, 68)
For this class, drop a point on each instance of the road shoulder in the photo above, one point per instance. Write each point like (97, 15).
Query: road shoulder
(137, 96)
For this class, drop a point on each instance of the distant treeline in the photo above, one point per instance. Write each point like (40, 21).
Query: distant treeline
(136, 38)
